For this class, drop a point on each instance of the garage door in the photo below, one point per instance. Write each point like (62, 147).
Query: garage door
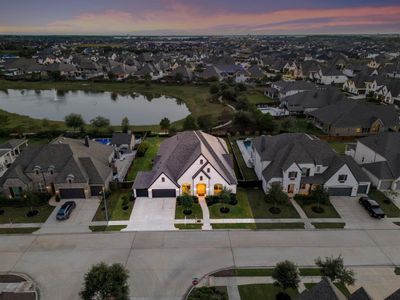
(95, 190)
(72, 193)
(164, 193)
(340, 191)
(142, 193)
(385, 185)
(362, 189)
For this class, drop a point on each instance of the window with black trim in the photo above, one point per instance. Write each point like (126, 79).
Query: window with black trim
(162, 179)
(342, 178)
(292, 175)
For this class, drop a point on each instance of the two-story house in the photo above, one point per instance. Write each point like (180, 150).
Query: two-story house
(299, 162)
(191, 162)
(379, 156)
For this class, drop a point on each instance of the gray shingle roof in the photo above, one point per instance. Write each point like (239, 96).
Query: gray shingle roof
(178, 153)
(11, 144)
(119, 138)
(324, 290)
(360, 294)
(352, 113)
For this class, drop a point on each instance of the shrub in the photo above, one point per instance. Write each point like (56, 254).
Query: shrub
(210, 200)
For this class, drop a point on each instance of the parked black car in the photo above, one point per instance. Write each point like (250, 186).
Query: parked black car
(65, 210)
(372, 207)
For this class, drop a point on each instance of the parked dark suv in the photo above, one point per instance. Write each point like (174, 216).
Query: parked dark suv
(372, 207)
(65, 210)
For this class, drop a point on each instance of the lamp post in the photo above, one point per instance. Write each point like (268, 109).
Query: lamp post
(103, 194)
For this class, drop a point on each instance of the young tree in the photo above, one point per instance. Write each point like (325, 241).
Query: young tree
(74, 121)
(334, 269)
(286, 275)
(125, 125)
(205, 122)
(165, 124)
(187, 202)
(276, 195)
(105, 282)
(320, 195)
(189, 123)
(100, 122)
(225, 197)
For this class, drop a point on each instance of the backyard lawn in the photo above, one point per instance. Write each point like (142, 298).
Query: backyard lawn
(18, 214)
(301, 125)
(196, 212)
(115, 207)
(145, 163)
(258, 97)
(338, 147)
(390, 209)
(262, 292)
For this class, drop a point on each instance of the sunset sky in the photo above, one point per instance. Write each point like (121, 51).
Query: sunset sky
(198, 16)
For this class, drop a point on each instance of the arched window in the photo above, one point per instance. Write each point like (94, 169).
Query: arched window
(217, 189)
(186, 188)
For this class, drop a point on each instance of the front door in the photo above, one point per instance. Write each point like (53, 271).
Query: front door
(290, 188)
(201, 189)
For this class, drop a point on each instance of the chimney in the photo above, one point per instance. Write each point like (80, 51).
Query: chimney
(87, 141)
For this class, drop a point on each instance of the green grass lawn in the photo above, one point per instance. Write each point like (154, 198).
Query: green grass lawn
(329, 211)
(209, 293)
(196, 212)
(329, 225)
(255, 226)
(390, 210)
(145, 163)
(260, 206)
(18, 214)
(338, 147)
(341, 287)
(240, 210)
(262, 292)
(18, 230)
(115, 207)
(256, 96)
(301, 125)
(107, 228)
(248, 173)
(188, 226)
(235, 163)
(397, 270)
(262, 272)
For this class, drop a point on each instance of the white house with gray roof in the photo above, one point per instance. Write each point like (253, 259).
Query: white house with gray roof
(299, 162)
(191, 162)
(379, 156)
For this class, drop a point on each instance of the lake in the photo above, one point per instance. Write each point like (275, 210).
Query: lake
(55, 105)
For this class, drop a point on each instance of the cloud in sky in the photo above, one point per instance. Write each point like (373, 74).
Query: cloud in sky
(189, 17)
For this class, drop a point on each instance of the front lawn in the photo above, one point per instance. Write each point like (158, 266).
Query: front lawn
(240, 210)
(258, 226)
(18, 230)
(390, 209)
(116, 207)
(328, 210)
(262, 272)
(15, 214)
(197, 213)
(209, 293)
(260, 206)
(145, 163)
(262, 292)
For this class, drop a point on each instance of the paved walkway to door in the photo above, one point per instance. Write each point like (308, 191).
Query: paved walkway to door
(206, 214)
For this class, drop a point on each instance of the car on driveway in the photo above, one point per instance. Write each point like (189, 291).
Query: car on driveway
(372, 207)
(65, 210)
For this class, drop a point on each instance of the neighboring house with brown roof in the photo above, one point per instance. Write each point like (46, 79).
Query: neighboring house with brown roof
(299, 162)
(67, 167)
(355, 118)
(191, 162)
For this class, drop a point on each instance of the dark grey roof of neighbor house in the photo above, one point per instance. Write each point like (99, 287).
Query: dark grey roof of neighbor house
(299, 85)
(179, 152)
(394, 296)
(11, 144)
(352, 113)
(360, 294)
(323, 290)
(120, 138)
(313, 99)
(387, 144)
(210, 72)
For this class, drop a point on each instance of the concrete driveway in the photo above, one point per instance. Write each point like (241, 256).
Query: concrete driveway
(356, 217)
(79, 220)
(151, 214)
